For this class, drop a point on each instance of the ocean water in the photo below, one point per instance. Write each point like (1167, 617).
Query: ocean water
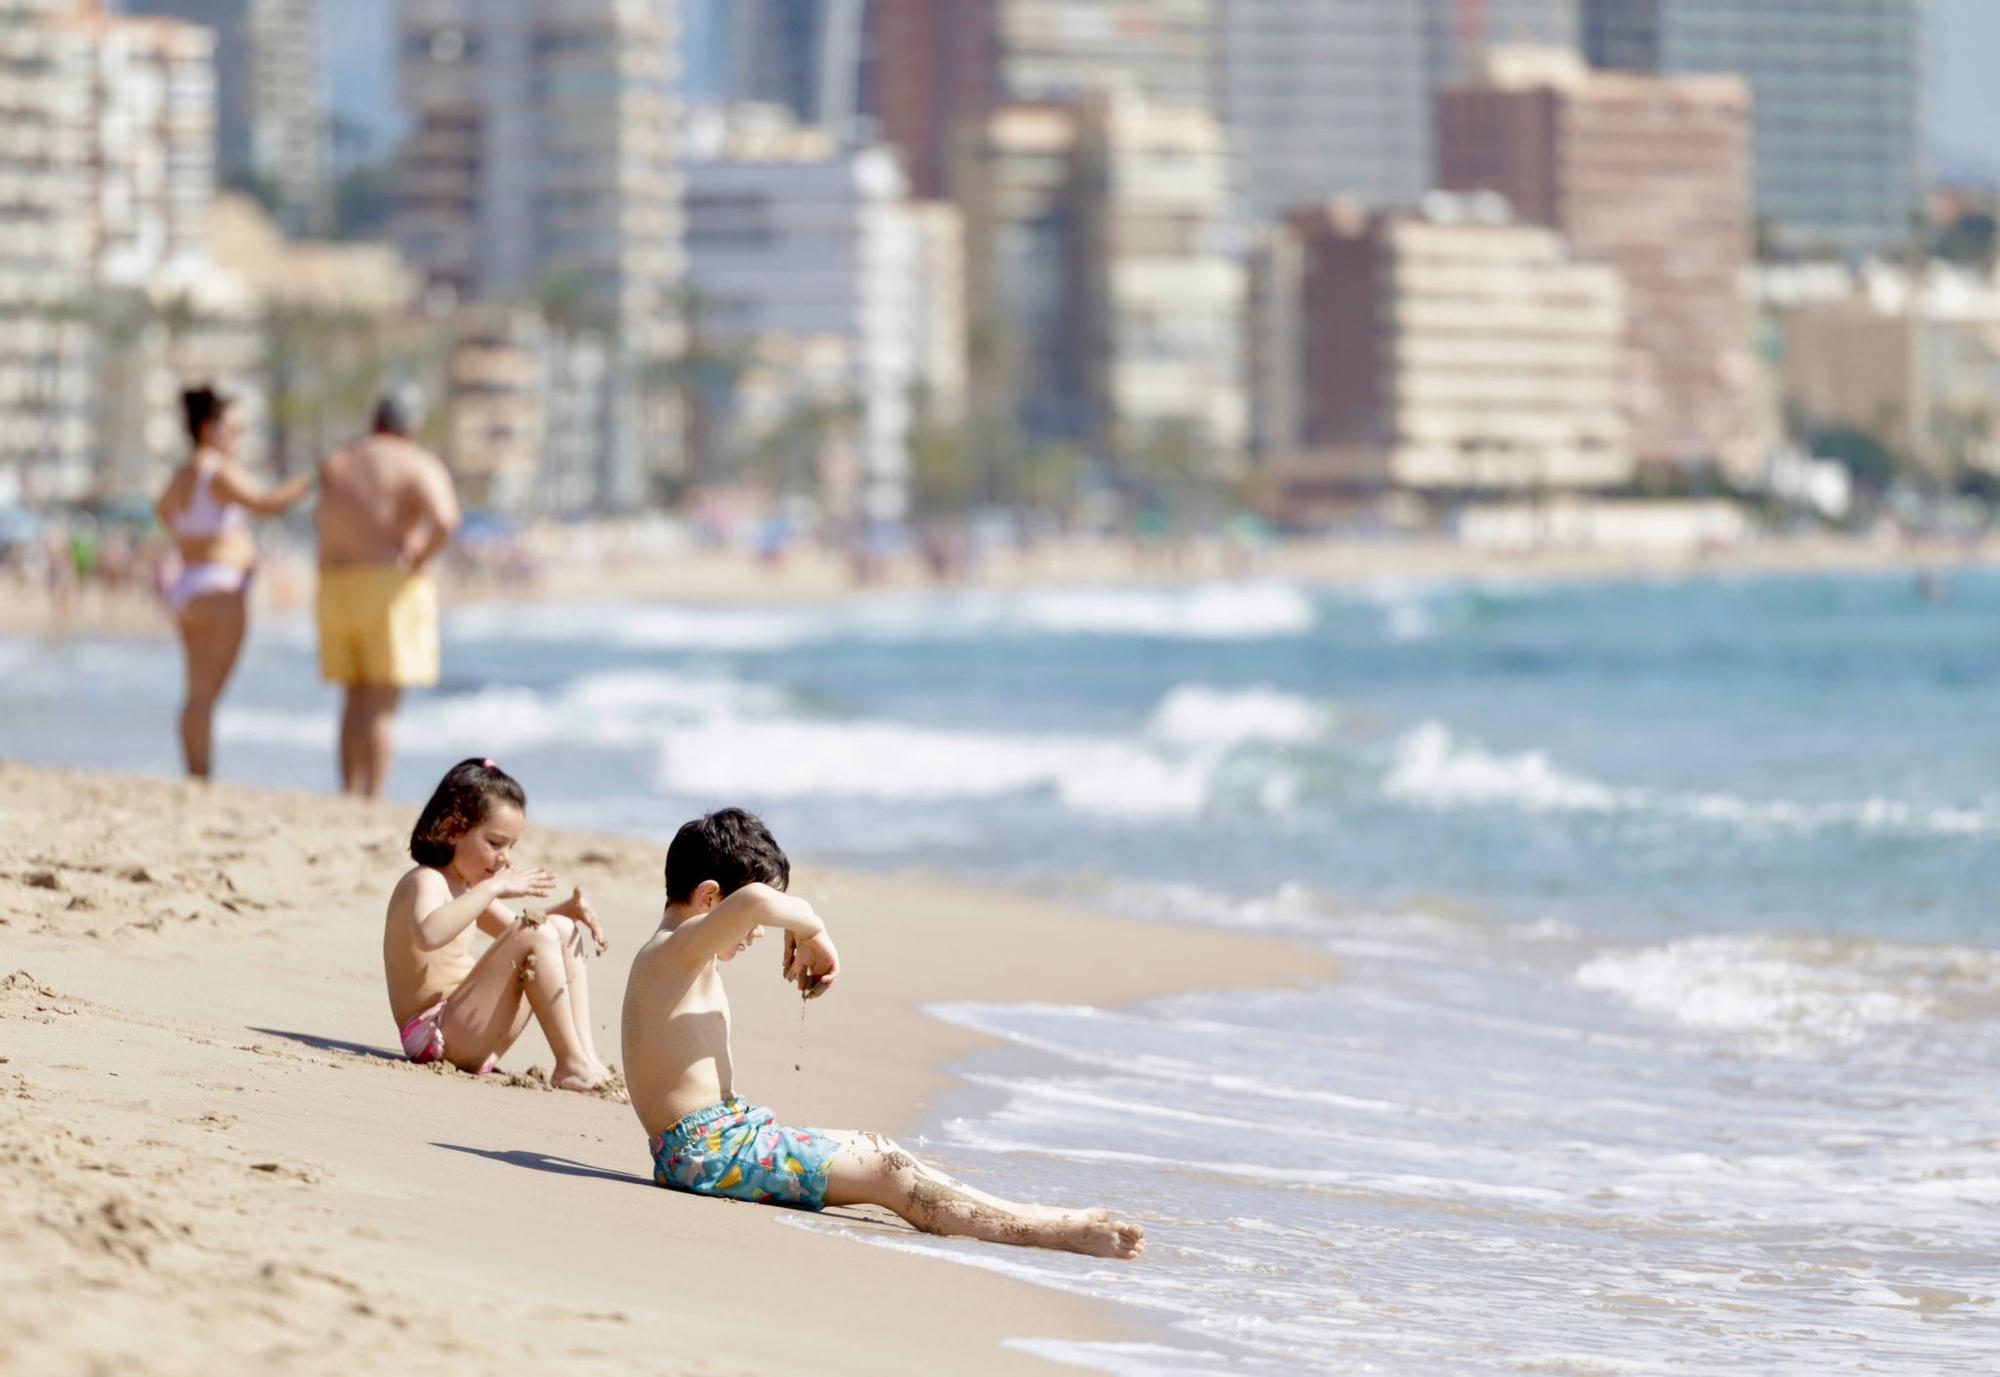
(1668, 1030)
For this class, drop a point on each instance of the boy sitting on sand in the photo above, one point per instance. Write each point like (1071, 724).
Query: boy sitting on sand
(726, 879)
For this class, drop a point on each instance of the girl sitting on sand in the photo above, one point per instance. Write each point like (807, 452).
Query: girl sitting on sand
(452, 1005)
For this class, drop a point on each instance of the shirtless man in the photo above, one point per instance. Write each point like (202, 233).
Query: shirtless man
(726, 881)
(386, 510)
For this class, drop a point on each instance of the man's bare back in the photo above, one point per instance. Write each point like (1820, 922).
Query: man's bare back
(384, 501)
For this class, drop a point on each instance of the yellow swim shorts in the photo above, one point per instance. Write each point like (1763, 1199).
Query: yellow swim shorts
(378, 627)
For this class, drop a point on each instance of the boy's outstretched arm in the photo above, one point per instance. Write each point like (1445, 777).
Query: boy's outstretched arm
(757, 905)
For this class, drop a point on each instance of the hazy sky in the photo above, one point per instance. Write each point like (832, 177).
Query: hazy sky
(1966, 116)
(360, 52)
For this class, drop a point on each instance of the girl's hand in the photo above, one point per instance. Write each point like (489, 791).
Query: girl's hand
(523, 884)
(577, 907)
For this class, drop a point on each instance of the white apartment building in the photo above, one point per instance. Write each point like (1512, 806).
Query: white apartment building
(541, 167)
(271, 107)
(543, 145)
(107, 169)
(1101, 262)
(45, 385)
(1166, 288)
(1445, 351)
(790, 236)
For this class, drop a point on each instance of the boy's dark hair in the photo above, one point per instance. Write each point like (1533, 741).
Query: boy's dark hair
(463, 798)
(200, 405)
(729, 846)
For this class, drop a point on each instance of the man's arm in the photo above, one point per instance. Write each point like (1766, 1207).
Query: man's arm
(437, 518)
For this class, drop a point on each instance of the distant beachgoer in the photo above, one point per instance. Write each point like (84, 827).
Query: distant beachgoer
(207, 506)
(451, 1005)
(726, 878)
(386, 511)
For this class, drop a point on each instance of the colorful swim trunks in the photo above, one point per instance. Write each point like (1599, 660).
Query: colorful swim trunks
(737, 1149)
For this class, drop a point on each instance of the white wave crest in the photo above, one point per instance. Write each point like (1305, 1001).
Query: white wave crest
(722, 737)
(1210, 611)
(630, 709)
(793, 758)
(1431, 768)
(1780, 994)
(1201, 612)
(1195, 715)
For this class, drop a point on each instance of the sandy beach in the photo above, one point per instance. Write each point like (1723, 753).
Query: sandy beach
(214, 1163)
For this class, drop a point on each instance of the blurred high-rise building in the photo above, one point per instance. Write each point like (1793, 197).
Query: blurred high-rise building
(1165, 292)
(802, 54)
(542, 146)
(1464, 31)
(1025, 300)
(1652, 175)
(1445, 350)
(937, 68)
(107, 160)
(1335, 97)
(45, 423)
(271, 125)
(1325, 99)
(540, 164)
(1840, 100)
(1104, 302)
(795, 235)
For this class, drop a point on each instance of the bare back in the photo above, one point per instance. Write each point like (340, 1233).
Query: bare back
(418, 978)
(676, 1035)
(379, 496)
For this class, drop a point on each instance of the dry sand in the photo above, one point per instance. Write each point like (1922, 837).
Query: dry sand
(212, 1163)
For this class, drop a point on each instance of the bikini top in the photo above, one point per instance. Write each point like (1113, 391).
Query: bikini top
(207, 515)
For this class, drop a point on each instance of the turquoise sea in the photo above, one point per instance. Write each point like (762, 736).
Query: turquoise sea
(1669, 1026)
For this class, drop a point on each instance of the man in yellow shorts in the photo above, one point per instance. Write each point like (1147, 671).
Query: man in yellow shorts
(386, 511)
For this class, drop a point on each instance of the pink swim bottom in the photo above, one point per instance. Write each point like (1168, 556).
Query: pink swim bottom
(423, 1038)
(195, 580)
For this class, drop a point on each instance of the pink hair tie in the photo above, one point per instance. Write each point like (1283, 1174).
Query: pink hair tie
(488, 763)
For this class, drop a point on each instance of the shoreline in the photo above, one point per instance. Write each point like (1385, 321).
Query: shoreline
(810, 577)
(219, 1160)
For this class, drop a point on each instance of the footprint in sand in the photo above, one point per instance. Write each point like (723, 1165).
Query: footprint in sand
(284, 1172)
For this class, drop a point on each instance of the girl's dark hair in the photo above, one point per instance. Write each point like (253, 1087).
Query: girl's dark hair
(463, 798)
(731, 847)
(200, 405)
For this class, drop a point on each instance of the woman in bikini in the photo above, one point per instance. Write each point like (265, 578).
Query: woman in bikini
(207, 508)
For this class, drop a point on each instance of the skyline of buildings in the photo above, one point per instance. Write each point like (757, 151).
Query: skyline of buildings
(1085, 224)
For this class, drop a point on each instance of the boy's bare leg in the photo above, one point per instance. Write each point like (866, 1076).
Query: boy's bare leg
(570, 934)
(871, 1170)
(487, 1012)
